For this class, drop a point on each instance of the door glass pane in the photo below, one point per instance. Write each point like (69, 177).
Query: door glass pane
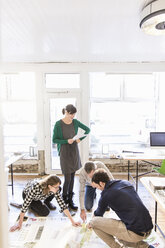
(56, 106)
(60, 80)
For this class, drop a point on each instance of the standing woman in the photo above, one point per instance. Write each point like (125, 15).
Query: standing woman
(63, 133)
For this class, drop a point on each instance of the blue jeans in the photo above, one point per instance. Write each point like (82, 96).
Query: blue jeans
(90, 194)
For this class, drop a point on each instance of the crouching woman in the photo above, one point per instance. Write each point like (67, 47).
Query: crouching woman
(37, 196)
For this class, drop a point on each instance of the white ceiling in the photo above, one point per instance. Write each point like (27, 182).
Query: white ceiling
(76, 31)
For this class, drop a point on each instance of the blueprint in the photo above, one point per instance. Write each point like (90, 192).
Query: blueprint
(41, 232)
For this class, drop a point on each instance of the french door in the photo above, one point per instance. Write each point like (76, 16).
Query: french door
(55, 102)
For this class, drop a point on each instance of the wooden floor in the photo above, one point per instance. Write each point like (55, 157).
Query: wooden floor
(20, 181)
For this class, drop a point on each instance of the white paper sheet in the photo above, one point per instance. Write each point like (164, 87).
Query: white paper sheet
(45, 232)
(79, 135)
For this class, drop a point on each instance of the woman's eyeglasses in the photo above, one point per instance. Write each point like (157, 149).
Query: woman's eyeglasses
(56, 187)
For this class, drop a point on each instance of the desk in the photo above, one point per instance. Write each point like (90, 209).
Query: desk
(9, 163)
(144, 157)
(159, 199)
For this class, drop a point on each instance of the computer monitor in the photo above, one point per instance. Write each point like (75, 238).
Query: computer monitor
(157, 140)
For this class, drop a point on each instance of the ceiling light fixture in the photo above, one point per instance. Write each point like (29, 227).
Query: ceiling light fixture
(153, 18)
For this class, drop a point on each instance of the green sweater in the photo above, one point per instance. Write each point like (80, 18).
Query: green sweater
(58, 135)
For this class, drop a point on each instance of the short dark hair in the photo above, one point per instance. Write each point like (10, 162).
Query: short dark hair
(89, 166)
(100, 175)
(70, 109)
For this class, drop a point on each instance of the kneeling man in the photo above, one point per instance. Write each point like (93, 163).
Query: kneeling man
(87, 193)
(135, 222)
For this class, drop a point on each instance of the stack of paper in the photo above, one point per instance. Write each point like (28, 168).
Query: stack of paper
(157, 183)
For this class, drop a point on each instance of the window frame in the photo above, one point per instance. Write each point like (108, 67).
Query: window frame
(125, 99)
(9, 99)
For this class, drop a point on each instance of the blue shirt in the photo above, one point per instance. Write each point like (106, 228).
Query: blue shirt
(122, 198)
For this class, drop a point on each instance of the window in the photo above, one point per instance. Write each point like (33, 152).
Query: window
(109, 85)
(139, 86)
(123, 111)
(19, 111)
